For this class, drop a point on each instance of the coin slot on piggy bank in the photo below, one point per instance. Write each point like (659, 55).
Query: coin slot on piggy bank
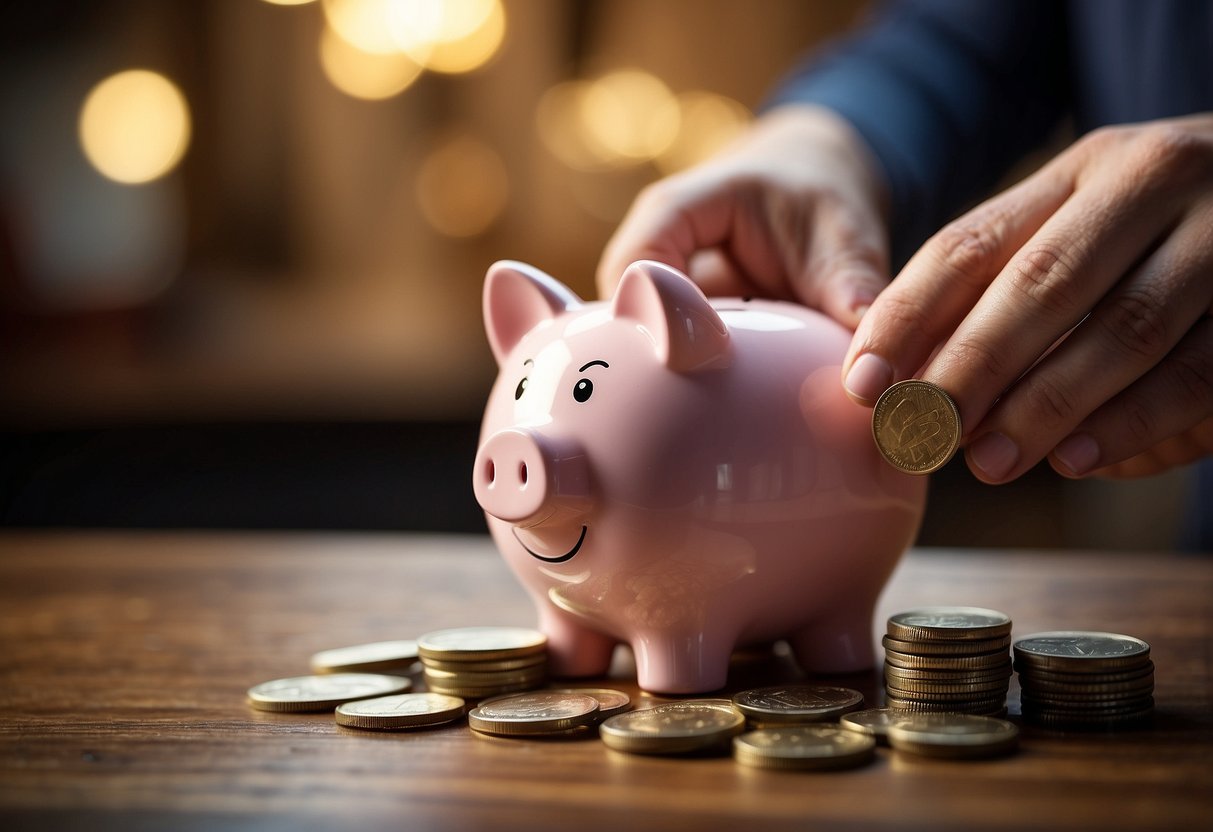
(684, 476)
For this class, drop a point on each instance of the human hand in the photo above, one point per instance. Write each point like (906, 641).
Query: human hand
(1070, 316)
(791, 211)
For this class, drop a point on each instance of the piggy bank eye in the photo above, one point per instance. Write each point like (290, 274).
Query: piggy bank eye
(518, 391)
(583, 390)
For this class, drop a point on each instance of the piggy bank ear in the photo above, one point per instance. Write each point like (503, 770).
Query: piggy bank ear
(517, 298)
(685, 329)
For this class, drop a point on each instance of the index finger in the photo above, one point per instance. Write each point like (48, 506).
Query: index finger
(668, 223)
(943, 281)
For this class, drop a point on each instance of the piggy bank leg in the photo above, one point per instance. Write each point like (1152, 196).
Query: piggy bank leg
(840, 643)
(670, 663)
(574, 650)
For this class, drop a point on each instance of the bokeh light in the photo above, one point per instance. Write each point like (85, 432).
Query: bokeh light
(630, 114)
(444, 35)
(471, 34)
(368, 75)
(629, 117)
(462, 187)
(134, 126)
(366, 24)
(708, 122)
(289, 2)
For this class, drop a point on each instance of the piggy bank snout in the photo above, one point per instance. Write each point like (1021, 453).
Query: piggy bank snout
(523, 477)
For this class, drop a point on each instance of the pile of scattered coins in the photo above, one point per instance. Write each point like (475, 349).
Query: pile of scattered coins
(807, 727)
(946, 674)
(948, 660)
(1079, 678)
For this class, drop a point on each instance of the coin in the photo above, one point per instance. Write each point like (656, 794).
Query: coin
(964, 623)
(481, 643)
(475, 678)
(953, 735)
(406, 710)
(673, 728)
(986, 705)
(803, 747)
(985, 661)
(874, 722)
(916, 426)
(480, 693)
(954, 647)
(487, 666)
(539, 712)
(322, 693)
(787, 704)
(610, 702)
(1081, 652)
(1001, 673)
(376, 657)
(1092, 694)
(1097, 720)
(937, 690)
(1110, 678)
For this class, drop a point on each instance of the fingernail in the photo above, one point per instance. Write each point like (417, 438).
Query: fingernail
(870, 376)
(1079, 453)
(995, 454)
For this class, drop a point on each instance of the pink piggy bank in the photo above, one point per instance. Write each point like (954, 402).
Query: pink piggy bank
(685, 476)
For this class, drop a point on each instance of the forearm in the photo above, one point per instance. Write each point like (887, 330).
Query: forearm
(946, 94)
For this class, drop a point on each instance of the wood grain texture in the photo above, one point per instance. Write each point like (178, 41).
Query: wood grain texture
(124, 661)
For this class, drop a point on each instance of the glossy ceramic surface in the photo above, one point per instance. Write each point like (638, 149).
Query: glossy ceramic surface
(684, 476)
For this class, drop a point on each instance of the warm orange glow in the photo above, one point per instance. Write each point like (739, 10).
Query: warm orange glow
(135, 126)
(629, 114)
(708, 122)
(289, 2)
(367, 24)
(462, 187)
(367, 75)
(471, 33)
(558, 122)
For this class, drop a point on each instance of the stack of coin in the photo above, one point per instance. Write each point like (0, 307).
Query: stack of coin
(480, 662)
(1076, 679)
(948, 660)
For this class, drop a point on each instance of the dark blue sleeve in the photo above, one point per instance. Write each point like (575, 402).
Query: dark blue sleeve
(948, 94)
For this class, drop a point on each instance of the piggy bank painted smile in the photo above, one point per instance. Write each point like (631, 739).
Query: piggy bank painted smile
(684, 476)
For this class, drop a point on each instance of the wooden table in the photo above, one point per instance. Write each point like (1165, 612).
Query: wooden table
(124, 660)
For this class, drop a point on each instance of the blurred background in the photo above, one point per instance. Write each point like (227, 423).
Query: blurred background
(242, 245)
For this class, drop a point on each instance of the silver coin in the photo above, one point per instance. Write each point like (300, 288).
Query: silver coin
(874, 722)
(1079, 651)
(320, 693)
(949, 623)
(797, 703)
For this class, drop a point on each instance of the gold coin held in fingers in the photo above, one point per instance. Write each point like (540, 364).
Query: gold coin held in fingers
(916, 426)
